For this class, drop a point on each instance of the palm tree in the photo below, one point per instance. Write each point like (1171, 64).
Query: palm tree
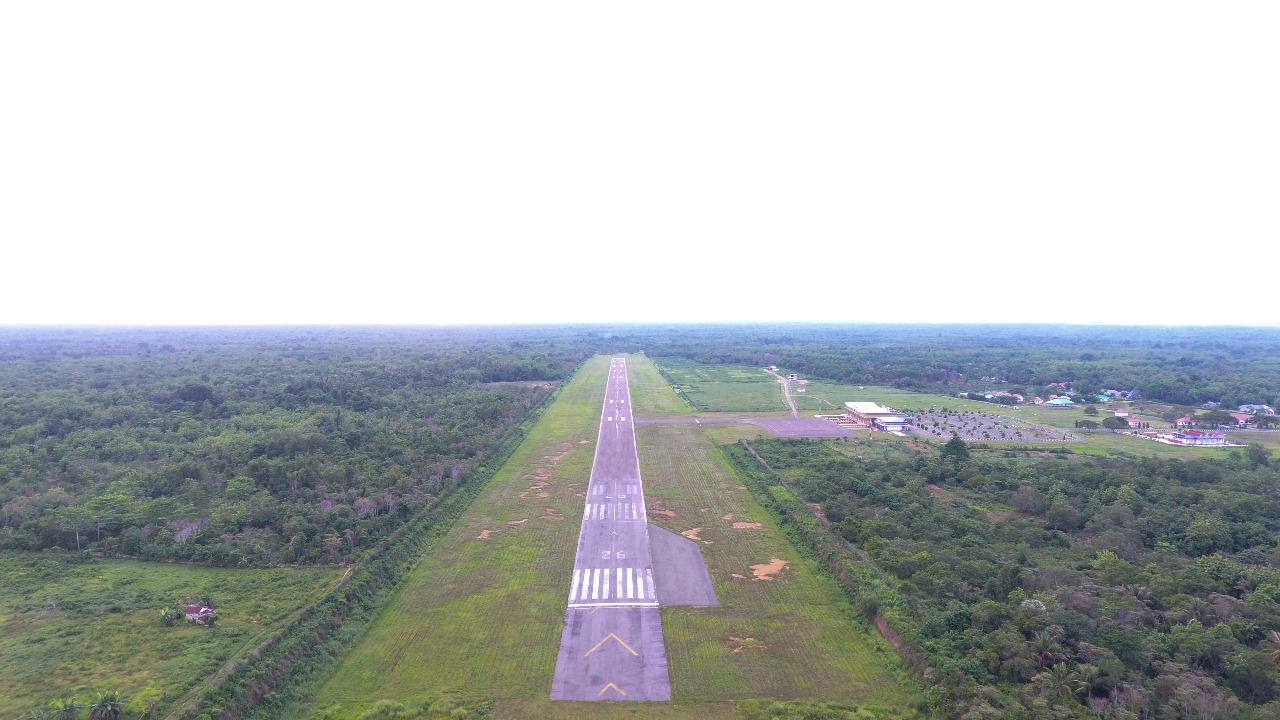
(1085, 680)
(64, 709)
(109, 706)
(1046, 650)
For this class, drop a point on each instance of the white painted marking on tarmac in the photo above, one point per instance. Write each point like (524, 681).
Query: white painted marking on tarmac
(639, 586)
(630, 584)
(595, 583)
(606, 584)
(648, 576)
(573, 589)
(618, 580)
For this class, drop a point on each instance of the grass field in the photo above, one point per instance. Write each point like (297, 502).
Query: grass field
(725, 388)
(481, 616)
(75, 628)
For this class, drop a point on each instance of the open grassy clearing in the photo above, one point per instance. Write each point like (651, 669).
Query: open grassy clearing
(75, 628)
(481, 615)
(725, 388)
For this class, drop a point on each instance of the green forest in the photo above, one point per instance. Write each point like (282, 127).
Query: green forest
(1047, 587)
(248, 447)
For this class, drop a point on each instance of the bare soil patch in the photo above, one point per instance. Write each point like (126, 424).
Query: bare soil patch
(518, 522)
(484, 534)
(939, 492)
(746, 526)
(728, 516)
(537, 488)
(766, 571)
(887, 633)
(738, 644)
(692, 534)
(551, 514)
(657, 508)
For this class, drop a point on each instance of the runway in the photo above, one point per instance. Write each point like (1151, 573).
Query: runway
(612, 647)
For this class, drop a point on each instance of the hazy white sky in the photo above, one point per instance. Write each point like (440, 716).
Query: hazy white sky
(441, 162)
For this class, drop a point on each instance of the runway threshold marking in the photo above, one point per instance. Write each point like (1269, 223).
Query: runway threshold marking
(606, 639)
(611, 685)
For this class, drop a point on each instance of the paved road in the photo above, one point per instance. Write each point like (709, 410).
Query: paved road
(612, 647)
(786, 391)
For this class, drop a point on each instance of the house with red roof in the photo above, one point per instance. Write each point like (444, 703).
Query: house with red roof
(1199, 437)
(1184, 422)
(1121, 412)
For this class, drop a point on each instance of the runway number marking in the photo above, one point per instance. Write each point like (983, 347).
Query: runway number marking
(606, 639)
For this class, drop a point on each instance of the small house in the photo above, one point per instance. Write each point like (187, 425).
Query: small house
(1060, 402)
(1121, 412)
(1184, 422)
(198, 613)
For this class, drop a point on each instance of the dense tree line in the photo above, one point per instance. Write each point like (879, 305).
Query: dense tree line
(1066, 588)
(250, 446)
(1182, 366)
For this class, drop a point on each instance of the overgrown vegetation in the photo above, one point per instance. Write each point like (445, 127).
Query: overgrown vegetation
(1043, 588)
(71, 628)
(251, 446)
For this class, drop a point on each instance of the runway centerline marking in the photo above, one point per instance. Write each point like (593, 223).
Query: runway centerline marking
(611, 685)
(615, 637)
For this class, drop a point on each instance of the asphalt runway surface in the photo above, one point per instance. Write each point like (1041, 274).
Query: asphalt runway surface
(612, 647)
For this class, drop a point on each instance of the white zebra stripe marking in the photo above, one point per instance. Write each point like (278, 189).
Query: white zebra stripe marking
(573, 589)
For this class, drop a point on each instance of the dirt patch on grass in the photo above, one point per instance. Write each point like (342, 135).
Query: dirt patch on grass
(521, 521)
(538, 488)
(692, 534)
(657, 508)
(543, 473)
(738, 644)
(484, 534)
(736, 575)
(939, 492)
(746, 526)
(727, 517)
(766, 571)
(704, 509)
(551, 514)
(561, 451)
